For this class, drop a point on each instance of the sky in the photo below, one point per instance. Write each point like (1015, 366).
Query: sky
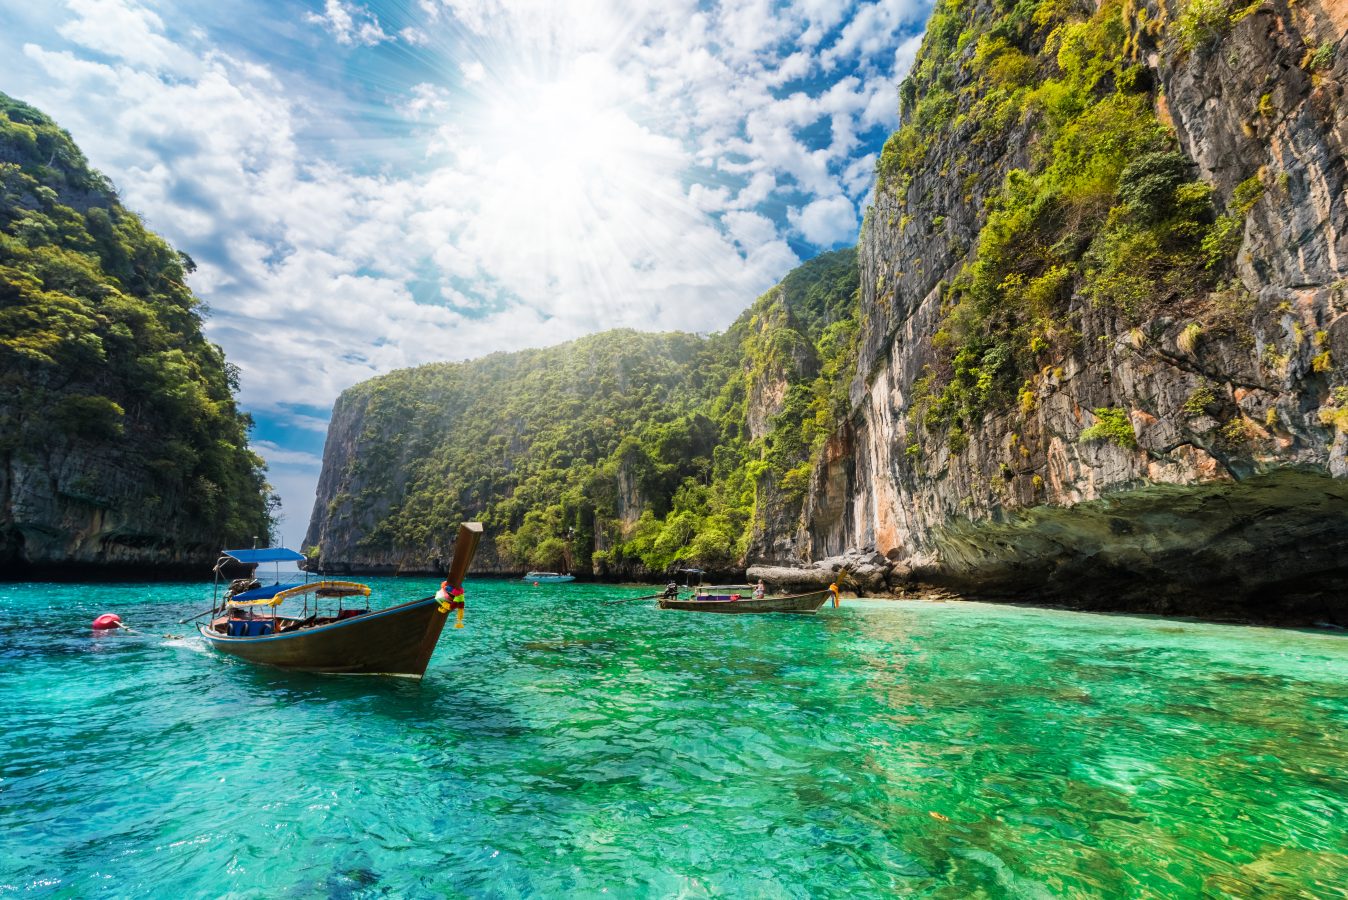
(370, 186)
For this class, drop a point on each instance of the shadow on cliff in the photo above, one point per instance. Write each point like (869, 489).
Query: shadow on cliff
(1272, 548)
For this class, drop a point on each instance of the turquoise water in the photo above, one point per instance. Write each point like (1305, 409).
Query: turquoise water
(561, 746)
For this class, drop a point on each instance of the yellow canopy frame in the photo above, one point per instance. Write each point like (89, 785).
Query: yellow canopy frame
(322, 588)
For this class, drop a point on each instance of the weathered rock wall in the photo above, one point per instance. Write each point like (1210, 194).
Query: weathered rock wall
(1234, 494)
(777, 515)
(347, 509)
(122, 452)
(80, 509)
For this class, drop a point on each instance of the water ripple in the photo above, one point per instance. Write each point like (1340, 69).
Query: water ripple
(560, 746)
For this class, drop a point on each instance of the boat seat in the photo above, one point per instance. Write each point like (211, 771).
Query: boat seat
(250, 627)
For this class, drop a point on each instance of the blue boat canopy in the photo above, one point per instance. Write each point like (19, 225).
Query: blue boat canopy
(263, 593)
(269, 554)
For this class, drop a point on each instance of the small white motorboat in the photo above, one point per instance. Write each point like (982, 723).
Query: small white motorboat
(548, 577)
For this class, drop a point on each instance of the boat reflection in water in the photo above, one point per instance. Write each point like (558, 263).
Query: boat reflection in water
(348, 638)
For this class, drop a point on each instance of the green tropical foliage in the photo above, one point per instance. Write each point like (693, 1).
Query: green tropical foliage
(619, 452)
(1109, 211)
(101, 343)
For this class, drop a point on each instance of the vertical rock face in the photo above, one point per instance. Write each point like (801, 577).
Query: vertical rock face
(410, 454)
(120, 443)
(372, 451)
(78, 508)
(622, 454)
(769, 376)
(1149, 449)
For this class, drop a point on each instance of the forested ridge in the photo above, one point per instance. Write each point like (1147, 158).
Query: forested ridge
(119, 432)
(621, 452)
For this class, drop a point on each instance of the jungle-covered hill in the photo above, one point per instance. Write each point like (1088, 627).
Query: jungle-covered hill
(120, 440)
(1098, 354)
(621, 453)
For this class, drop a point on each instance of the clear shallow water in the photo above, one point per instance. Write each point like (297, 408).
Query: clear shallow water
(560, 746)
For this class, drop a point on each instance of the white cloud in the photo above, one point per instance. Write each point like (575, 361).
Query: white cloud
(759, 188)
(426, 100)
(871, 31)
(349, 23)
(905, 55)
(593, 164)
(750, 229)
(123, 29)
(276, 455)
(308, 423)
(828, 221)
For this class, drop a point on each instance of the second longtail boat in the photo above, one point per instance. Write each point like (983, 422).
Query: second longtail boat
(740, 599)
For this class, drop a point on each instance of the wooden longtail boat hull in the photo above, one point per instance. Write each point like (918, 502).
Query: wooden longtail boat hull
(806, 604)
(398, 640)
(394, 641)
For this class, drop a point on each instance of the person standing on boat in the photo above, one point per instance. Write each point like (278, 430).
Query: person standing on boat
(672, 590)
(759, 590)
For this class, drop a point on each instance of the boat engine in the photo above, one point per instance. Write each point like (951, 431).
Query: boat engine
(239, 585)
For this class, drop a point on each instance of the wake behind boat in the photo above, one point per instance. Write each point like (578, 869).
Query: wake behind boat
(397, 640)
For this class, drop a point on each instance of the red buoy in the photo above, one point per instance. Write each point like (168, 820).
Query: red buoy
(107, 621)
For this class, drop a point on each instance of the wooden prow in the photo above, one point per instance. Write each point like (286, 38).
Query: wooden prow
(465, 547)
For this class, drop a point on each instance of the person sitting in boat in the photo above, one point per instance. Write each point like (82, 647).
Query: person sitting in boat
(760, 590)
(672, 590)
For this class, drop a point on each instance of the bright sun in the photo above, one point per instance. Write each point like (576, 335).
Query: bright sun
(569, 179)
(568, 138)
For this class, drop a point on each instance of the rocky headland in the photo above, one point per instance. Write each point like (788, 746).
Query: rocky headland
(1096, 354)
(122, 452)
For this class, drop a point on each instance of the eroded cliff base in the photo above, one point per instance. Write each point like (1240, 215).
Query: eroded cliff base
(57, 555)
(1271, 549)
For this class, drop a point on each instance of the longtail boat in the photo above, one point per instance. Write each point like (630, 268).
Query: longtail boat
(739, 599)
(397, 640)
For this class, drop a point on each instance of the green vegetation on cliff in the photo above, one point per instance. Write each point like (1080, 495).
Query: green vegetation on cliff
(101, 349)
(1107, 212)
(618, 452)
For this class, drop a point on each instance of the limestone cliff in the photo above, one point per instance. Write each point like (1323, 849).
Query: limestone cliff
(120, 444)
(531, 442)
(1098, 355)
(621, 455)
(1150, 410)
